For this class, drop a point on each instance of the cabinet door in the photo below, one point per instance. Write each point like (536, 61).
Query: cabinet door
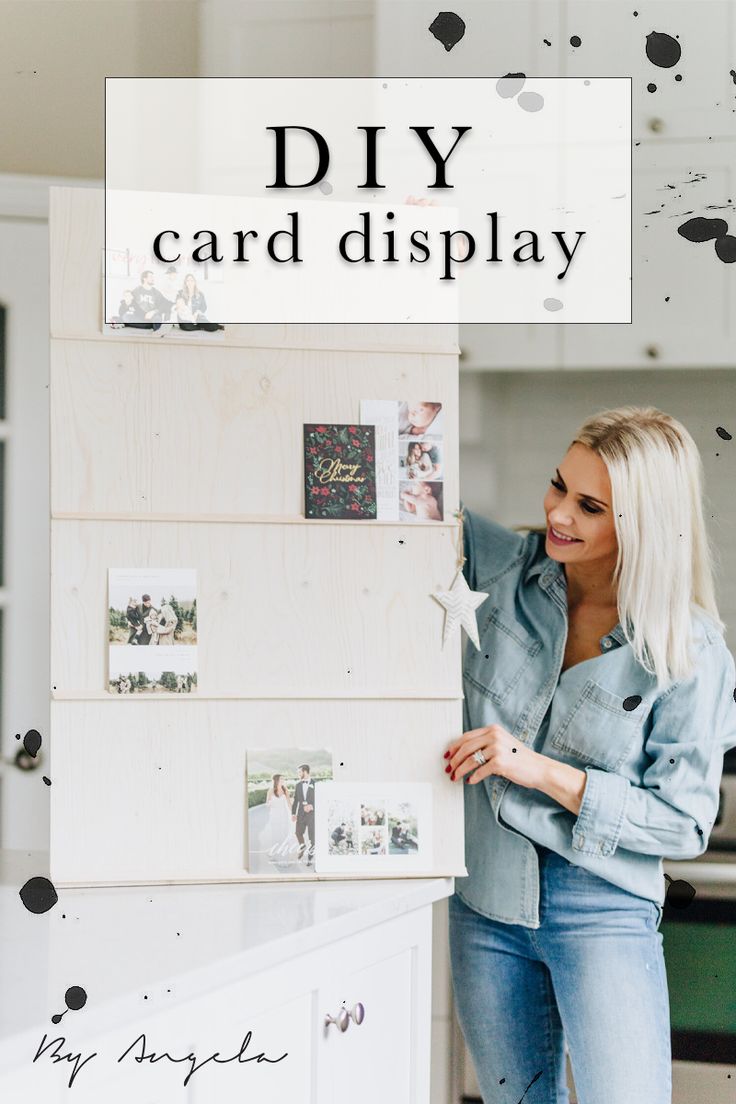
(684, 312)
(386, 1057)
(613, 42)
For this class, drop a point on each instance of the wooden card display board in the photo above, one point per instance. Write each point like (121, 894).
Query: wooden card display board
(310, 633)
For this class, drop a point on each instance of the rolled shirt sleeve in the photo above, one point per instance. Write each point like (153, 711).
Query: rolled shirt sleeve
(672, 811)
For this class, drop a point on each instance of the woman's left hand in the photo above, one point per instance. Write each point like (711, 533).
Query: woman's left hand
(505, 756)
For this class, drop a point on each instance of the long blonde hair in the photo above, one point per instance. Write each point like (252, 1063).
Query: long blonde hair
(664, 566)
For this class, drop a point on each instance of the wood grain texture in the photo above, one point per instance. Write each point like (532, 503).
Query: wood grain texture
(77, 235)
(167, 429)
(144, 792)
(320, 634)
(281, 609)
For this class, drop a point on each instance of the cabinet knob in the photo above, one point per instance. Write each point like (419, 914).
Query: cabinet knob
(341, 1020)
(652, 351)
(357, 1015)
(656, 125)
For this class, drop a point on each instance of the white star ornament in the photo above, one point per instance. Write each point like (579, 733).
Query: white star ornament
(460, 604)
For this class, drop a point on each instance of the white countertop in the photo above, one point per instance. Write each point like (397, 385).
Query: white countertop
(136, 948)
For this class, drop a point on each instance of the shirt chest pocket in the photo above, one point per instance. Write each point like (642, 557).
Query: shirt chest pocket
(598, 729)
(506, 650)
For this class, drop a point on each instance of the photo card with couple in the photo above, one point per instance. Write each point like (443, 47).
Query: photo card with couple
(152, 630)
(284, 789)
(367, 827)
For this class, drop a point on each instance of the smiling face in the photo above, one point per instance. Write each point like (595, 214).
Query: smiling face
(579, 504)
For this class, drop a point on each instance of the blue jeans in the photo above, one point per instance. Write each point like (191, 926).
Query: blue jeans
(592, 975)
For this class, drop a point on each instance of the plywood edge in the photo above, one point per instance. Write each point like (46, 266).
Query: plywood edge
(262, 342)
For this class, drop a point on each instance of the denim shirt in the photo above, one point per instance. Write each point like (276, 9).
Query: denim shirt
(653, 771)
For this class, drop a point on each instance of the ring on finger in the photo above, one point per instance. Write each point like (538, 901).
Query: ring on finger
(479, 757)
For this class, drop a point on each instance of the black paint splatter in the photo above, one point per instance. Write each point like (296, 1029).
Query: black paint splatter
(651, 88)
(575, 40)
(678, 76)
(663, 50)
(32, 742)
(510, 85)
(448, 28)
(703, 229)
(680, 893)
(38, 895)
(74, 998)
(534, 1079)
(546, 42)
(47, 781)
(733, 75)
(723, 433)
(631, 702)
(726, 249)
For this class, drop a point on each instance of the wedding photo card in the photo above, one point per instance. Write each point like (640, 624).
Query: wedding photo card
(409, 458)
(152, 630)
(364, 827)
(339, 471)
(283, 786)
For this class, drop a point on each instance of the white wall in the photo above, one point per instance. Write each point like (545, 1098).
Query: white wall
(54, 57)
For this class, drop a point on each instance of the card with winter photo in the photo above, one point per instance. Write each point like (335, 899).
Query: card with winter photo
(284, 788)
(152, 630)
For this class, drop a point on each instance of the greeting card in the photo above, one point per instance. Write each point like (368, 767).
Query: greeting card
(365, 827)
(339, 471)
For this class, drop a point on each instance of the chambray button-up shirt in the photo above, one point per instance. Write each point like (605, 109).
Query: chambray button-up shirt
(653, 761)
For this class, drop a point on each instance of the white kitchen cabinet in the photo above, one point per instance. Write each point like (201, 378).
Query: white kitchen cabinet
(194, 969)
(684, 309)
(613, 43)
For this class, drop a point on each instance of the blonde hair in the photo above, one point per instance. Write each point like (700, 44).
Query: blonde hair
(664, 565)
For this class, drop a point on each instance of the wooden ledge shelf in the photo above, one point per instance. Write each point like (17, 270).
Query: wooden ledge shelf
(289, 695)
(249, 519)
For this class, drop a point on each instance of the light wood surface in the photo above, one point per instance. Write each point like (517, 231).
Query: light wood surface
(145, 791)
(78, 219)
(215, 430)
(281, 609)
(310, 634)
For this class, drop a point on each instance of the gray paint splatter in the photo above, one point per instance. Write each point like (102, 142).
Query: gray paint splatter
(510, 85)
(552, 304)
(531, 101)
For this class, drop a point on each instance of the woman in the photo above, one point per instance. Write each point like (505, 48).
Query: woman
(597, 711)
(418, 464)
(194, 306)
(166, 623)
(278, 836)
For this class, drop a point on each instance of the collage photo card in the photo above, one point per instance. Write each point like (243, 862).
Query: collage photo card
(365, 827)
(339, 471)
(409, 458)
(284, 787)
(152, 630)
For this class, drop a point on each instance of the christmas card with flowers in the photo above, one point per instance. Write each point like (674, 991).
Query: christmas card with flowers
(339, 471)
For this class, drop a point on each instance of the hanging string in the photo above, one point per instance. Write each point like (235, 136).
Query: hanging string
(460, 540)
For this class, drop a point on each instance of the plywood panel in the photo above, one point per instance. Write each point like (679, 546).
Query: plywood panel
(145, 792)
(282, 609)
(214, 430)
(77, 238)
